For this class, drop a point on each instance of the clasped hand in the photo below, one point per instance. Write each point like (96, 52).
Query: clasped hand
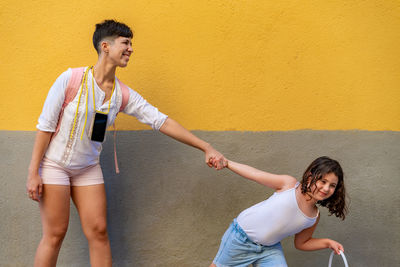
(215, 159)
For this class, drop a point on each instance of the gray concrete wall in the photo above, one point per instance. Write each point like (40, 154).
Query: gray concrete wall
(166, 208)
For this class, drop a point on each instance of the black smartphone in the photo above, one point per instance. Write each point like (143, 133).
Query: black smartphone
(99, 127)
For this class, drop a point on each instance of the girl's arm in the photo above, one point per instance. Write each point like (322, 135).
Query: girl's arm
(173, 129)
(34, 182)
(277, 182)
(305, 241)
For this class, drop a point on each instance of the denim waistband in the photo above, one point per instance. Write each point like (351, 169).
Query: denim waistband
(239, 229)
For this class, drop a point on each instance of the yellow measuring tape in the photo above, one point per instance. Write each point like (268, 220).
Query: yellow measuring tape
(84, 82)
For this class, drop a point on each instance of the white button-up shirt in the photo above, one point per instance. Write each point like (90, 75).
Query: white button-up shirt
(75, 153)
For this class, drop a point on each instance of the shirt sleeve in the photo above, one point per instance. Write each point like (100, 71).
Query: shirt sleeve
(52, 106)
(146, 113)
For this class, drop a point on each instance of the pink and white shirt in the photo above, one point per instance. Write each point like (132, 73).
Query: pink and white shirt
(75, 153)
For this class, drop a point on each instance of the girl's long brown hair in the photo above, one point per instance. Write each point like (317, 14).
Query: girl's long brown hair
(336, 203)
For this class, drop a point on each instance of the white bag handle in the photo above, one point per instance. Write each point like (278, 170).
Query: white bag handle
(343, 257)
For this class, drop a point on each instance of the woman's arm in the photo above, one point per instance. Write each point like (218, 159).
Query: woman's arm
(212, 157)
(305, 241)
(274, 181)
(34, 182)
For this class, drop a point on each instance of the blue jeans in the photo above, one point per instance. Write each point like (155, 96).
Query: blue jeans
(238, 250)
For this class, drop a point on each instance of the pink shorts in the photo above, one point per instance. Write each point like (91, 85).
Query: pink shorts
(52, 173)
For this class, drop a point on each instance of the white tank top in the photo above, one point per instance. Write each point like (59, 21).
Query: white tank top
(275, 218)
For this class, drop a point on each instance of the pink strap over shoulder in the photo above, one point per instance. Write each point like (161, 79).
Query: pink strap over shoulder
(73, 85)
(70, 92)
(125, 95)
(125, 99)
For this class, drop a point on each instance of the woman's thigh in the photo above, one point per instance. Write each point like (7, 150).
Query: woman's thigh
(54, 209)
(91, 204)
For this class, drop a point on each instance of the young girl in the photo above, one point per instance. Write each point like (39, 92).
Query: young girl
(254, 236)
(65, 157)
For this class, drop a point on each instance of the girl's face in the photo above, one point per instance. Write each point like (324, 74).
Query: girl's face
(120, 51)
(324, 187)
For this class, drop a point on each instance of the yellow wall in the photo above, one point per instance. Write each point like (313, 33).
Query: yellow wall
(217, 65)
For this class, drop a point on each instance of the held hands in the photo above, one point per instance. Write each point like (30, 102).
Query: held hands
(34, 187)
(214, 159)
(335, 246)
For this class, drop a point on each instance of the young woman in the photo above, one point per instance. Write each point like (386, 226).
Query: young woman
(65, 158)
(254, 236)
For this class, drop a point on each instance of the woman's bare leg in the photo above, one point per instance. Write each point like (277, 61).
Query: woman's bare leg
(54, 210)
(92, 208)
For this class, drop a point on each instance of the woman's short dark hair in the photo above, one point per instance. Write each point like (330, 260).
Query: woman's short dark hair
(109, 28)
(336, 203)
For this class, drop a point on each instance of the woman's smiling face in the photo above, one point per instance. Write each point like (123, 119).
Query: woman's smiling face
(120, 50)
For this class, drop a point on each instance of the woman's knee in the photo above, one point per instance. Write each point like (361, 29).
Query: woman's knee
(97, 231)
(55, 235)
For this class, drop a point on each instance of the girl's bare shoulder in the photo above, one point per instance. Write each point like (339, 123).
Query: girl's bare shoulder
(288, 183)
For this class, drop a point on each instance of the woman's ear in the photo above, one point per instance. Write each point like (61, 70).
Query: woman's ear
(105, 46)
